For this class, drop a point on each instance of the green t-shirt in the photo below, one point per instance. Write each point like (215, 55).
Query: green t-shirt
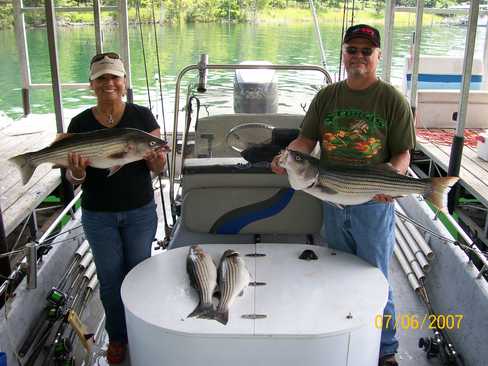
(359, 126)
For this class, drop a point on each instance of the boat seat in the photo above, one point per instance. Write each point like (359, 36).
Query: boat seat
(211, 132)
(223, 202)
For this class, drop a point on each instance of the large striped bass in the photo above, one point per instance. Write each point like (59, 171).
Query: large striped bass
(203, 277)
(353, 185)
(233, 278)
(109, 148)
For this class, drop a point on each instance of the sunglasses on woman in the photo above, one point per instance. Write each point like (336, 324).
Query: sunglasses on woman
(366, 51)
(101, 56)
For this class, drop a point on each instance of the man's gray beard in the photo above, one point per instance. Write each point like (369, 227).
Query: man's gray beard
(356, 73)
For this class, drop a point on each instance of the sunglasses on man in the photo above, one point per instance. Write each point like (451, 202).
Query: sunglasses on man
(101, 56)
(366, 51)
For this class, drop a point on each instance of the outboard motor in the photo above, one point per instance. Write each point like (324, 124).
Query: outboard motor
(255, 90)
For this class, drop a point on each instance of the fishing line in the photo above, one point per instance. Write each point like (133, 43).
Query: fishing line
(340, 42)
(156, 44)
(143, 51)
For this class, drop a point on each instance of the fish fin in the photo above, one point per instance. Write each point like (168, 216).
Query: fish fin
(335, 204)
(202, 311)
(438, 194)
(25, 166)
(117, 155)
(114, 170)
(61, 136)
(241, 293)
(222, 316)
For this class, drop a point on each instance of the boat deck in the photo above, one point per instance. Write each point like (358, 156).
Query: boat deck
(16, 200)
(474, 170)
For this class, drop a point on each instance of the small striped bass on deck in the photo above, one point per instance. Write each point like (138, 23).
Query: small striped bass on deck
(354, 185)
(203, 278)
(233, 278)
(109, 148)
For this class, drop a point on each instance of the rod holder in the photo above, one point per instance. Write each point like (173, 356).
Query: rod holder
(202, 73)
(31, 265)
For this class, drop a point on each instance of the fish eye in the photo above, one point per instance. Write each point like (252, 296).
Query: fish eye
(152, 143)
(298, 158)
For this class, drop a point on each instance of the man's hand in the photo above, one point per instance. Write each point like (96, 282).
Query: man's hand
(383, 198)
(275, 167)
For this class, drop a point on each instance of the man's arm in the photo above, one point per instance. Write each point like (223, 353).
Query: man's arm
(301, 144)
(400, 163)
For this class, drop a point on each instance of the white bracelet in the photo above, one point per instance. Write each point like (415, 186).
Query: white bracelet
(76, 180)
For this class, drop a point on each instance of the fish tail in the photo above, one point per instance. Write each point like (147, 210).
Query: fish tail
(204, 311)
(25, 166)
(440, 187)
(222, 316)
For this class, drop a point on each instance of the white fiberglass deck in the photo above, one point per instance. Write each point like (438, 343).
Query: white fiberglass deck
(317, 312)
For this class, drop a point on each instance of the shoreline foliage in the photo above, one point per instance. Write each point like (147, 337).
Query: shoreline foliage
(210, 11)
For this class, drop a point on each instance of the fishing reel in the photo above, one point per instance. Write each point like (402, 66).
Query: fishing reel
(431, 345)
(437, 346)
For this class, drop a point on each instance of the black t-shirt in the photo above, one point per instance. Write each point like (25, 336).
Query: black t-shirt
(131, 186)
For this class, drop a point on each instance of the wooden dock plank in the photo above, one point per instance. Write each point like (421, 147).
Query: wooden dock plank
(473, 175)
(16, 200)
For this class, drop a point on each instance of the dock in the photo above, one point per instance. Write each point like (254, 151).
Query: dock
(474, 170)
(17, 201)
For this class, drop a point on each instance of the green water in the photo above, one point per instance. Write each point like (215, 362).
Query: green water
(182, 45)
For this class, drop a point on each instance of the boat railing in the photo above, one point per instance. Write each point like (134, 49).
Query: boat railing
(470, 246)
(203, 68)
(29, 259)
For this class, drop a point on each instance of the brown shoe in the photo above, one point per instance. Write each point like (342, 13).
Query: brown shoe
(116, 352)
(388, 360)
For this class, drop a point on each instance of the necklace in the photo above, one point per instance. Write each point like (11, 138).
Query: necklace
(110, 119)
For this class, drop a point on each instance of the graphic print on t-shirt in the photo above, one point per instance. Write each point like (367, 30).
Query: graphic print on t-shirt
(352, 136)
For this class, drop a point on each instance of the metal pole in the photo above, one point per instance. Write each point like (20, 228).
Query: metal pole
(458, 140)
(98, 28)
(56, 84)
(317, 33)
(485, 59)
(416, 55)
(124, 46)
(388, 39)
(21, 41)
(4, 262)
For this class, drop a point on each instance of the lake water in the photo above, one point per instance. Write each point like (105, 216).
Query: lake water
(181, 45)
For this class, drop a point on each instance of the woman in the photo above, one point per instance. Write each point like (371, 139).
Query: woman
(118, 212)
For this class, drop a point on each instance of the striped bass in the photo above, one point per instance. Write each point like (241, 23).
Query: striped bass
(233, 278)
(203, 277)
(109, 148)
(353, 185)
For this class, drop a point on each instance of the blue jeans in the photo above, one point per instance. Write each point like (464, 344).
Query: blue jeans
(119, 241)
(368, 231)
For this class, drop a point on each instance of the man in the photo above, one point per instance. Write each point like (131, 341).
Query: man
(361, 120)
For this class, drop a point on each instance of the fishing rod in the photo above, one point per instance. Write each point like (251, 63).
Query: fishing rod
(167, 228)
(138, 13)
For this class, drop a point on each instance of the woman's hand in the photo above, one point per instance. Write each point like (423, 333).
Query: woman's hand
(77, 167)
(155, 160)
